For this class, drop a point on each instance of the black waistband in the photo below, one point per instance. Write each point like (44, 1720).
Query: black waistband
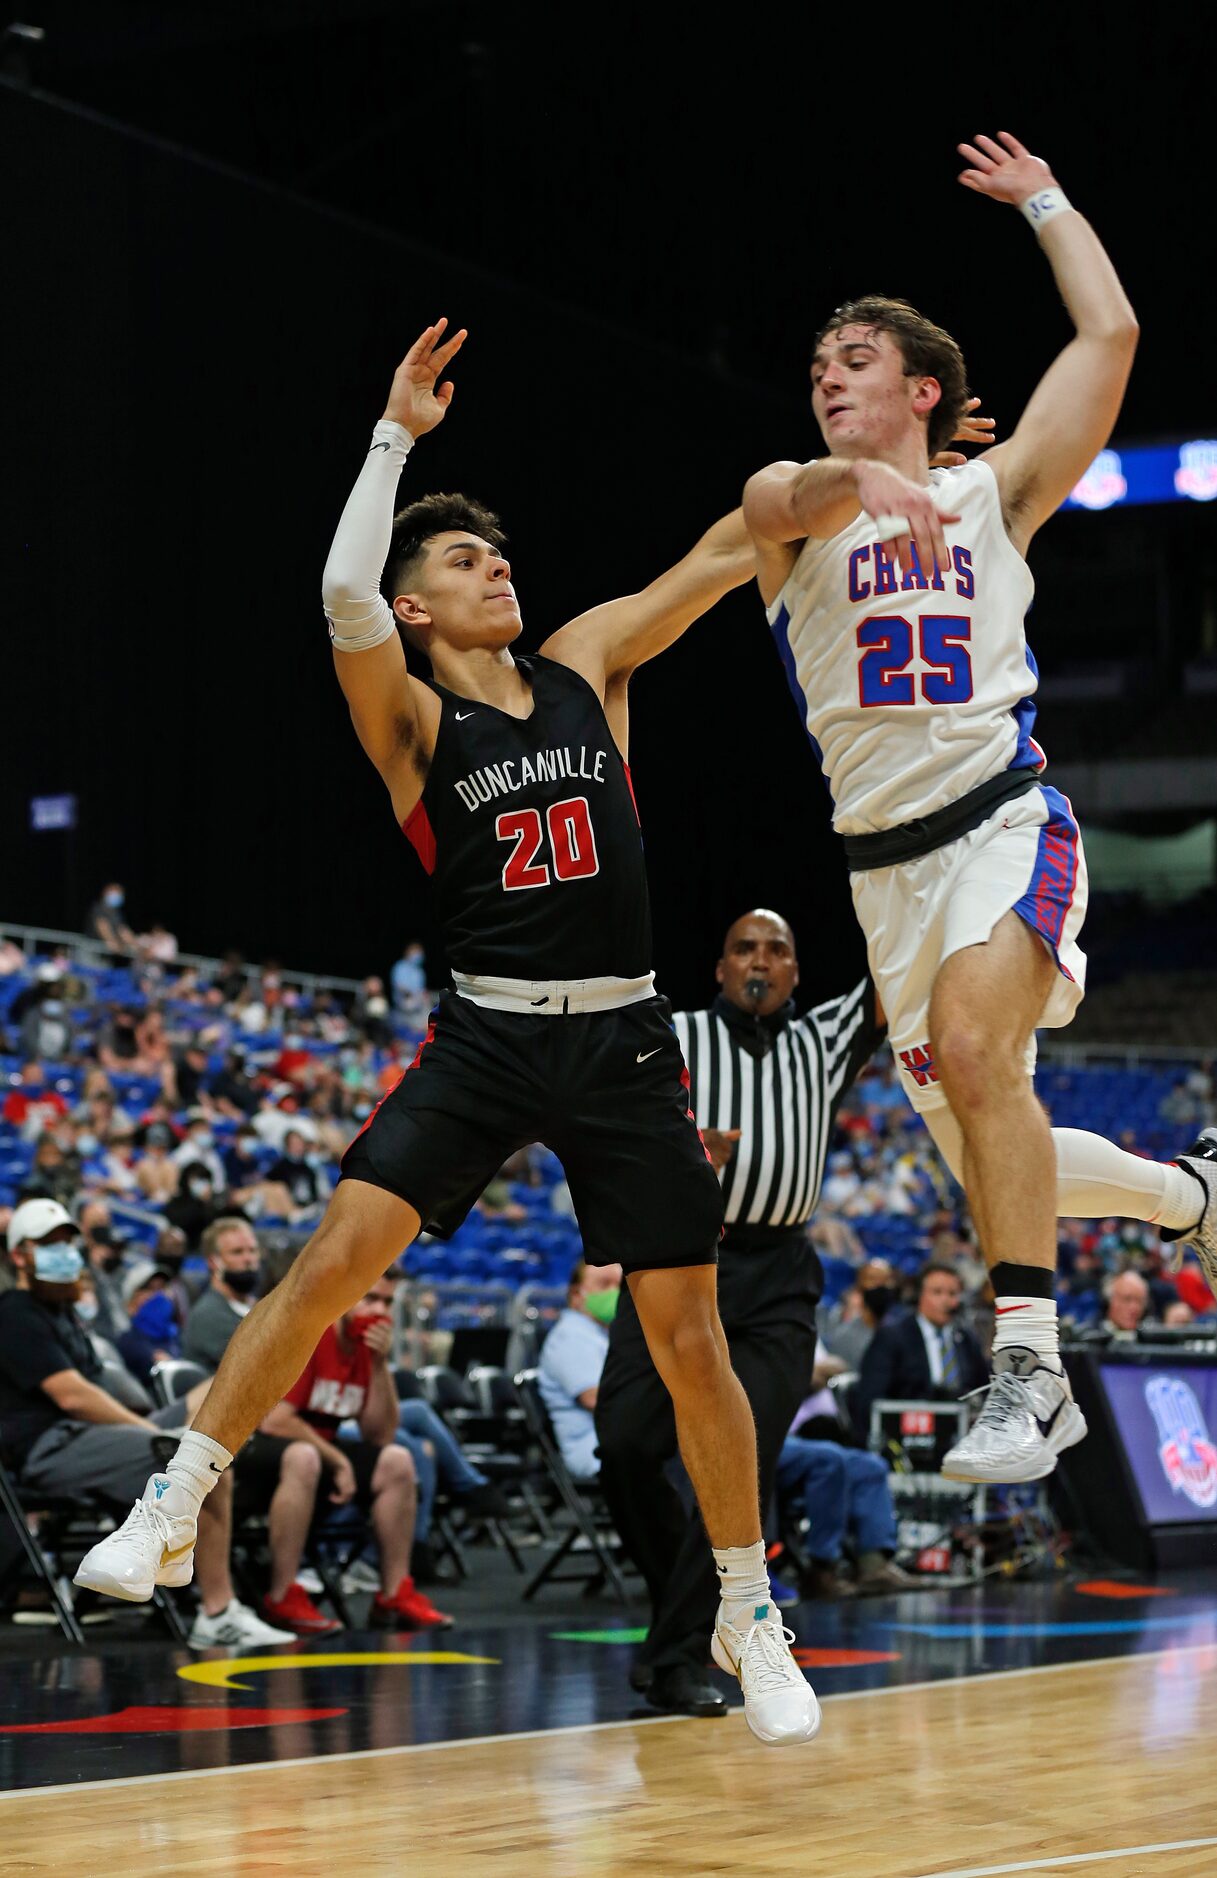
(748, 1238)
(910, 840)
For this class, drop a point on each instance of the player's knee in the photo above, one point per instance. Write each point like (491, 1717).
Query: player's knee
(968, 1063)
(695, 1358)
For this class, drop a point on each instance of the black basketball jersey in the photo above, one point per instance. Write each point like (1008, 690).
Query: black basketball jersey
(529, 830)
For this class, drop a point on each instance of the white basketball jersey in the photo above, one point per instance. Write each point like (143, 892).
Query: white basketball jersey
(914, 689)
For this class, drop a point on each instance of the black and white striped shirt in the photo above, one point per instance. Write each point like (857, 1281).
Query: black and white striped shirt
(783, 1101)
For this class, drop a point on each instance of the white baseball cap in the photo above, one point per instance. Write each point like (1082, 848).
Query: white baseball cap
(34, 1219)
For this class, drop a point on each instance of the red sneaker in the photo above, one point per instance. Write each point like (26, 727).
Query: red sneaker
(407, 1609)
(297, 1612)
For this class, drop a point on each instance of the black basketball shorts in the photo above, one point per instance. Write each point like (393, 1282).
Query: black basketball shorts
(607, 1091)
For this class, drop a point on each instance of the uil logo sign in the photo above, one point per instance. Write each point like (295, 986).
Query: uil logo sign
(1185, 1448)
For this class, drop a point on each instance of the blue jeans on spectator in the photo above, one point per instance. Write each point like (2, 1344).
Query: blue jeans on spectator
(417, 1426)
(843, 1490)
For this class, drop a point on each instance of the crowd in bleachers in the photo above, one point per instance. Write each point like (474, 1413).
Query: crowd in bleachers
(152, 1098)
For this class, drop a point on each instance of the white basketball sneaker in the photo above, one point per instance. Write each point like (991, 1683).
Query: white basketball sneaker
(235, 1627)
(780, 1704)
(1029, 1416)
(148, 1549)
(1201, 1160)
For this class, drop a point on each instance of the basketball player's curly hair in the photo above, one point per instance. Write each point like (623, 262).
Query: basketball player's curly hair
(415, 526)
(927, 351)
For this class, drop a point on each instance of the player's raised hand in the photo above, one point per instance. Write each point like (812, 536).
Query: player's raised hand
(972, 429)
(904, 514)
(416, 402)
(1005, 170)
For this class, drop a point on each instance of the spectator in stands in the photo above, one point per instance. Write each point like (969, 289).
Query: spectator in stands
(1128, 1300)
(54, 1174)
(12, 958)
(370, 1011)
(32, 1104)
(1178, 1316)
(233, 1089)
(111, 1168)
(572, 1360)
(157, 1175)
(158, 1114)
(408, 979)
(104, 922)
(66, 1436)
(195, 1204)
(842, 1492)
(116, 1379)
(187, 1071)
(923, 1356)
(158, 944)
(45, 1031)
(348, 1377)
(118, 1048)
(153, 1332)
(103, 1251)
(496, 1202)
(849, 1337)
(1193, 1288)
(198, 1149)
(305, 1182)
(230, 1247)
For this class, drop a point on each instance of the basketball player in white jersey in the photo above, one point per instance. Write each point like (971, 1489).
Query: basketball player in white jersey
(897, 593)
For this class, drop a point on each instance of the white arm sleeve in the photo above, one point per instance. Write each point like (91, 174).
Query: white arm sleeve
(358, 614)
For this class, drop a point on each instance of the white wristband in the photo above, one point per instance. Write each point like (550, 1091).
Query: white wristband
(1043, 205)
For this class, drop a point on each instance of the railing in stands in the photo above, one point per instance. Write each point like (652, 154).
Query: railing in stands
(33, 939)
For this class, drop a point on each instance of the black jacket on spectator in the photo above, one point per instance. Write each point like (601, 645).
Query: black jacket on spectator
(36, 1341)
(897, 1365)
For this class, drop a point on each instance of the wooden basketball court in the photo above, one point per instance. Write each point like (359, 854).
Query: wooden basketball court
(1102, 1760)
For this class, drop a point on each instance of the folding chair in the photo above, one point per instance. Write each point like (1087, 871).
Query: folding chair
(454, 1400)
(174, 1377)
(583, 1500)
(63, 1527)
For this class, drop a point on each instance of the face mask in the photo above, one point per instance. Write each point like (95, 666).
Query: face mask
(199, 1189)
(114, 899)
(58, 1264)
(87, 1144)
(86, 1309)
(602, 1305)
(879, 1299)
(202, 1141)
(156, 1318)
(51, 1007)
(244, 1284)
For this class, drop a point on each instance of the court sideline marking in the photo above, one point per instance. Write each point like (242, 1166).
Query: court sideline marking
(586, 1728)
(1069, 1858)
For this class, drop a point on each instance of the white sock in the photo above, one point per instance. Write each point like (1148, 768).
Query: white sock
(1027, 1324)
(743, 1583)
(1097, 1180)
(193, 1472)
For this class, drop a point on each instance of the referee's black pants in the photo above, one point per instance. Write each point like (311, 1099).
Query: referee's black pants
(771, 1334)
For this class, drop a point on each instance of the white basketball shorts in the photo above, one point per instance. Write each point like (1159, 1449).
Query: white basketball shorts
(1027, 858)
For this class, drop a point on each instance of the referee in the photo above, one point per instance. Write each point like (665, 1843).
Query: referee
(765, 1086)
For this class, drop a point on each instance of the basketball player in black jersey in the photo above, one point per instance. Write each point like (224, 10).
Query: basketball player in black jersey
(510, 778)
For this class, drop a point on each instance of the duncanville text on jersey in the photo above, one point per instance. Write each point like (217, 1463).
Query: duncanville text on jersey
(505, 778)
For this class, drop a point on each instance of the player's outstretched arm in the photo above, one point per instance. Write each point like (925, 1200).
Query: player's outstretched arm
(368, 655)
(608, 643)
(1074, 408)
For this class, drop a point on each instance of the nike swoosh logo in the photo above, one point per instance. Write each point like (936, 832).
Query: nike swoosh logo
(214, 1468)
(650, 1053)
(171, 1558)
(1046, 1428)
(1004, 1310)
(378, 446)
(463, 716)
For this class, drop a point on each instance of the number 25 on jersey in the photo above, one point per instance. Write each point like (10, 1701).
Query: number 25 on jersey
(942, 640)
(572, 844)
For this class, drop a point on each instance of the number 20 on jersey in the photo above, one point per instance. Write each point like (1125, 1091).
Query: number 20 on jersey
(572, 844)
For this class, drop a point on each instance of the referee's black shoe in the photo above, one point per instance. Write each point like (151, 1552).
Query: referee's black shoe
(683, 1689)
